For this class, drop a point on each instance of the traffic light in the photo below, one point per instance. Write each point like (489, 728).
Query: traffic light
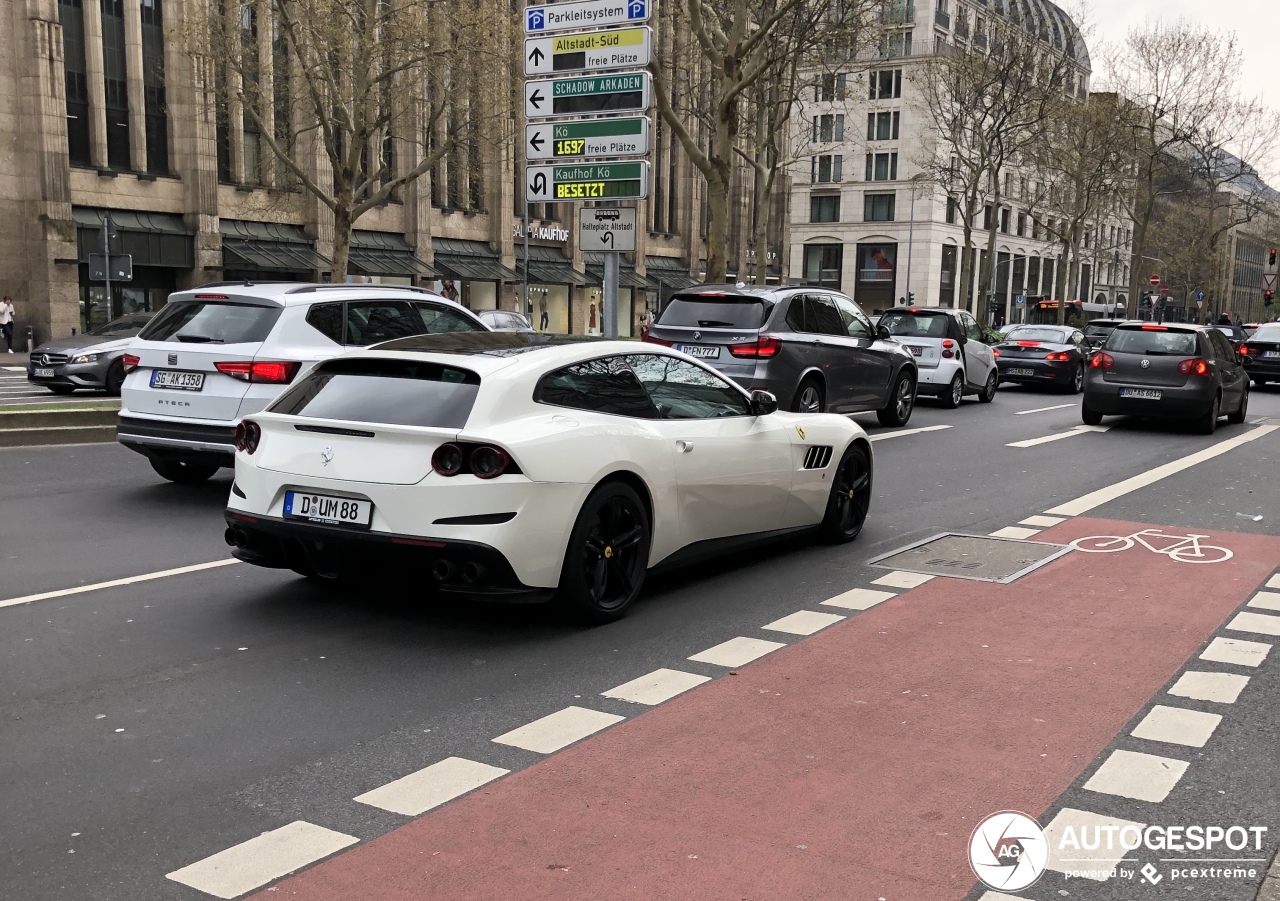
(1273, 256)
(1267, 296)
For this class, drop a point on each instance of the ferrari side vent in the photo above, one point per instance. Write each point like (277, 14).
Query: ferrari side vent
(817, 457)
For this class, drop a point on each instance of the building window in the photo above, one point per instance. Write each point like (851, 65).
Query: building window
(1035, 228)
(886, 84)
(830, 87)
(878, 207)
(876, 263)
(882, 166)
(157, 121)
(824, 208)
(986, 218)
(826, 168)
(71, 15)
(1022, 225)
(947, 291)
(117, 93)
(1004, 220)
(828, 128)
(953, 211)
(882, 126)
(822, 264)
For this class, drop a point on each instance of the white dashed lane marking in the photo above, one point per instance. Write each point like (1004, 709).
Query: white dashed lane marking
(248, 865)
(430, 787)
(1237, 651)
(803, 622)
(1255, 622)
(1266, 600)
(1043, 409)
(737, 651)
(902, 580)
(859, 599)
(1058, 436)
(905, 432)
(1178, 726)
(1222, 688)
(558, 730)
(1042, 522)
(1143, 777)
(658, 686)
(1014, 532)
(1079, 859)
(116, 583)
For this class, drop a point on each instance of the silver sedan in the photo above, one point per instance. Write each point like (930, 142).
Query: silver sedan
(91, 360)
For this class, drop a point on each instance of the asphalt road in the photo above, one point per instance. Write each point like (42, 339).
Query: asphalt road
(150, 725)
(17, 391)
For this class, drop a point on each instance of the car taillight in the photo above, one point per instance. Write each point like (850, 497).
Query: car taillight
(1028, 343)
(1102, 361)
(1155, 328)
(448, 460)
(488, 462)
(947, 344)
(130, 362)
(995, 352)
(484, 461)
(648, 337)
(1057, 357)
(1245, 350)
(760, 348)
(248, 435)
(273, 372)
(1194, 366)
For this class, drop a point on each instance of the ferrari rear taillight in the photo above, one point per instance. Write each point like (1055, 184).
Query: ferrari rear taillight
(448, 459)
(1058, 357)
(1102, 361)
(247, 436)
(488, 462)
(1194, 366)
(271, 372)
(484, 461)
(761, 348)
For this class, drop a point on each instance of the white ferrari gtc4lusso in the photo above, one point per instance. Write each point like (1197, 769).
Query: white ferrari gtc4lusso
(524, 467)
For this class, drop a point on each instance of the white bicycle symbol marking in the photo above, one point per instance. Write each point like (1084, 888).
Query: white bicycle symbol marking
(1184, 548)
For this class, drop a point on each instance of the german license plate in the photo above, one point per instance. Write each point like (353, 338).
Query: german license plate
(1019, 372)
(42, 373)
(1142, 393)
(916, 349)
(1265, 353)
(705, 351)
(179, 381)
(341, 511)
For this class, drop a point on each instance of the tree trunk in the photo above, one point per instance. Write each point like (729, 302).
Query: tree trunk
(989, 276)
(965, 285)
(341, 242)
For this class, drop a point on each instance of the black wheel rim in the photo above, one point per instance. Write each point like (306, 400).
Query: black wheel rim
(612, 553)
(905, 399)
(852, 493)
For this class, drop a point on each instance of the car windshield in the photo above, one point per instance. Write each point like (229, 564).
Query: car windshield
(390, 392)
(1045, 335)
(1098, 331)
(1152, 342)
(124, 327)
(1267, 333)
(1228, 330)
(915, 325)
(715, 311)
(205, 322)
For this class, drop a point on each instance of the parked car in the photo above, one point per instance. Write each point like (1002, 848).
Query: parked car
(1054, 355)
(90, 360)
(516, 466)
(1260, 355)
(504, 321)
(217, 353)
(951, 350)
(1176, 371)
(814, 349)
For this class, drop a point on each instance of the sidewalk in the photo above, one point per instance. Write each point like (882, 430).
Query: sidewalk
(12, 359)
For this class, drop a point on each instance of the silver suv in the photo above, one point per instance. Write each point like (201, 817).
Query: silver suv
(217, 353)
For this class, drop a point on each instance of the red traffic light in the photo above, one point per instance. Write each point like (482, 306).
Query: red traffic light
(1273, 256)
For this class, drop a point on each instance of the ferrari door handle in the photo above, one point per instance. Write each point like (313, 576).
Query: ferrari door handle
(684, 447)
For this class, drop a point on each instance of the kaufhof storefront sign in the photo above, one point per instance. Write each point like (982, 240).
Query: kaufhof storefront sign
(1009, 851)
(541, 233)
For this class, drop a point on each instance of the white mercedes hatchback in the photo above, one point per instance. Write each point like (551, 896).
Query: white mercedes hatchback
(522, 467)
(217, 353)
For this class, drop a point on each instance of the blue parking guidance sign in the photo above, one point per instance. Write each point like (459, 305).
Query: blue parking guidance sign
(585, 14)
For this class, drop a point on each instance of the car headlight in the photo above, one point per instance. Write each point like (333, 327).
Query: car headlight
(86, 358)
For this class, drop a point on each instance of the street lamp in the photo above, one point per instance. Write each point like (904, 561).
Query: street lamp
(911, 228)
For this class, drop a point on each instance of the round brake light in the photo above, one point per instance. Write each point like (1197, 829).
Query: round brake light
(488, 462)
(447, 460)
(247, 436)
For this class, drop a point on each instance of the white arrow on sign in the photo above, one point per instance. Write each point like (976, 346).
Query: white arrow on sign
(607, 228)
(613, 136)
(588, 51)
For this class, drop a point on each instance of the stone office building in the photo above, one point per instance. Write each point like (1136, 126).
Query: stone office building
(100, 122)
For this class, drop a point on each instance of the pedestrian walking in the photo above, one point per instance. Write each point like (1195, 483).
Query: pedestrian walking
(6, 321)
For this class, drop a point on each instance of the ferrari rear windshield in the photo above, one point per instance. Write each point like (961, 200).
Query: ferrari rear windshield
(389, 392)
(716, 311)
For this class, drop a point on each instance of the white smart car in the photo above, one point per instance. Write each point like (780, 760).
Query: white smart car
(951, 351)
(522, 466)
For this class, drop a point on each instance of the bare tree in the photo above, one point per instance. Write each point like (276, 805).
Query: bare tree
(375, 88)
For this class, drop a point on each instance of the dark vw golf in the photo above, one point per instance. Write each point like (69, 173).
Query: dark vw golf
(1185, 372)
(1044, 355)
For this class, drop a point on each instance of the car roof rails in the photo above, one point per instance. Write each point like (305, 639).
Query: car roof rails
(237, 283)
(309, 288)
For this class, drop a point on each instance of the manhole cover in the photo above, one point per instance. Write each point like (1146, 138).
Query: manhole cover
(976, 557)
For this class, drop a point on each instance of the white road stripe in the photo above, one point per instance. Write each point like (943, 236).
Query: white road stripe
(116, 583)
(1222, 688)
(1014, 532)
(1274, 582)
(1177, 726)
(898, 579)
(432, 786)
(737, 651)
(1070, 433)
(1237, 651)
(803, 622)
(658, 686)
(1255, 622)
(246, 866)
(1043, 409)
(558, 730)
(1143, 777)
(905, 432)
(1096, 863)
(859, 599)
(1266, 600)
(1150, 477)
(1041, 522)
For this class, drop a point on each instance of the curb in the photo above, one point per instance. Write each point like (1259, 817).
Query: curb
(23, 429)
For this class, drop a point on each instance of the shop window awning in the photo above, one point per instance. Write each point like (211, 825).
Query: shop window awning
(268, 245)
(152, 239)
(627, 277)
(667, 274)
(469, 261)
(547, 266)
(383, 253)
(131, 220)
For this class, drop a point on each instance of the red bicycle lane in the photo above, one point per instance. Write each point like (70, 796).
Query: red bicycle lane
(852, 764)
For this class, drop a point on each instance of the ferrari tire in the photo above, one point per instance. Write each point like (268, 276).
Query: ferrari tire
(607, 555)
(850, 497)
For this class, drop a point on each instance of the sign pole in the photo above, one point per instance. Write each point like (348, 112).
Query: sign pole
(609, 299)
(106, 250)
(528, 304)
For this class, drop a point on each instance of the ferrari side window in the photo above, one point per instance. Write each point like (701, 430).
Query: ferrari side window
(606, 385)
(682, 390)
